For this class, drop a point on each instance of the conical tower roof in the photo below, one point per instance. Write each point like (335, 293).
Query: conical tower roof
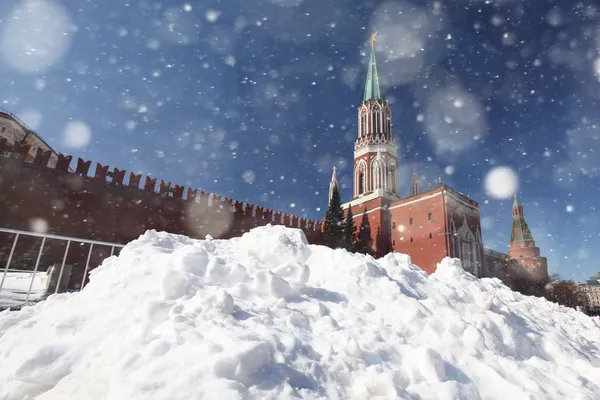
(520, 229)
(333, 184)
(372, 88)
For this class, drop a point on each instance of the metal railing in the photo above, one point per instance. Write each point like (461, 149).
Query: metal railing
(18, 234)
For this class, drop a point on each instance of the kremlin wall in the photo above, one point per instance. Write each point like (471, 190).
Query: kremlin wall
(106, 206)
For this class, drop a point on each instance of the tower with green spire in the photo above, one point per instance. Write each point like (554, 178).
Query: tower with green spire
(421, 224)
(523, 251)
(520, 231)
(375, 149)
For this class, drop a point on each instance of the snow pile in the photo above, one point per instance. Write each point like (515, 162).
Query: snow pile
(266, 316)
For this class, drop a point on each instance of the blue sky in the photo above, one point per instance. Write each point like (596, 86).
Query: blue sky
(257, 100)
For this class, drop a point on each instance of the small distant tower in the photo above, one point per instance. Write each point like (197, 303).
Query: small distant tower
(415, 185)
(522, 246)
(333, 184)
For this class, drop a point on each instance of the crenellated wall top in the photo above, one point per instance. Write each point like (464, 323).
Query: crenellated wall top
(117, 177)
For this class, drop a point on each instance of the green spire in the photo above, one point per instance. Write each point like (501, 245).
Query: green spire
(372, 89)
(516, 202)
(520, 229)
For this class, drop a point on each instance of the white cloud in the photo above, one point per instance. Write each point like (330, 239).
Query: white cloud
(35, 36)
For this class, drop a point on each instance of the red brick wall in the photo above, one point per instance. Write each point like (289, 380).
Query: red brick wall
(424, 239)
(111, 206)
(528, 256)
(427, 240)
(377, 220)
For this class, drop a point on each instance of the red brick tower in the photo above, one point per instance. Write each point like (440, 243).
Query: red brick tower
(427, 226)
(522, 246)
(375, 149)
(375, 161)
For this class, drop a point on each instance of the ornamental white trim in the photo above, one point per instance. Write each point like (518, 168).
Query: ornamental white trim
(373, 139)
(392, 197)
(387, 148)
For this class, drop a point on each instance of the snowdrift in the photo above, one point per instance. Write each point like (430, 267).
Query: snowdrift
(267, 316)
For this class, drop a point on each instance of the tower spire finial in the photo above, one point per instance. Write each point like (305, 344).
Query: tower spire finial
(516, 201)
(373, 39)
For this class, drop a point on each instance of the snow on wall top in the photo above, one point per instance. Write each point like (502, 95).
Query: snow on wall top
(267, 316)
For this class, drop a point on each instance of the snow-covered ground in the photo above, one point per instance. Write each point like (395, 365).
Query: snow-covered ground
(16, 285)
(266, 316)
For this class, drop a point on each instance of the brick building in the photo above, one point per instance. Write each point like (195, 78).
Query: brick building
(17, 132)
(428, 225)
(591, 289)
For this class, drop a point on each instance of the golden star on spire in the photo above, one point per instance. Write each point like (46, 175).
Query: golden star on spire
(373, 39)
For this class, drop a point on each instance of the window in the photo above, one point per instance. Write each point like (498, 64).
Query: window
(376, 122)
(361, 183)
(393, 224)
(3, 129)
(411, 239)
(410, 221)
(429, 217)
(430, 236)
(393, 242)
(363, 124)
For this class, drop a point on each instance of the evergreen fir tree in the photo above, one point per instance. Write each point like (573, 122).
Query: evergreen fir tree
(349, 232)
(383, 246)
(334, 222)
(364, 243)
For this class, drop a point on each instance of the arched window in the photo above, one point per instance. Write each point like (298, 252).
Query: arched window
(429, 217)
(363, 125)
(410, 221)
(377, 174)
(377, 123)
(391, 181)
(430, 236)
(361, 182)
